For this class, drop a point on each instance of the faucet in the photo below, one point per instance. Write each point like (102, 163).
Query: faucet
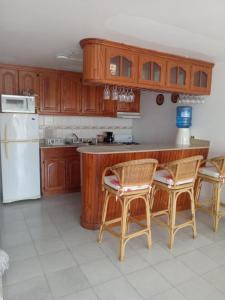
(75, 137)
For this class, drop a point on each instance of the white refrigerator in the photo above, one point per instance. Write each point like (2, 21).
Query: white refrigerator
(20, 163)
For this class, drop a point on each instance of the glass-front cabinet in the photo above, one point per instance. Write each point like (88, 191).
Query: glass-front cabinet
(121, 66)
(152, 70)
(201, 79)
(178, 75)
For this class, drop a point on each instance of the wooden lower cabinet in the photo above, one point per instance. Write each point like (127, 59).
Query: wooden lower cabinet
(60, 170)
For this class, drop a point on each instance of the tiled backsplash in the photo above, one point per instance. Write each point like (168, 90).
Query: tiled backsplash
(87, 127)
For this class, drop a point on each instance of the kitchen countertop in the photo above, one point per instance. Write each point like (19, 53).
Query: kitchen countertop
(110, 149)
(42, 145)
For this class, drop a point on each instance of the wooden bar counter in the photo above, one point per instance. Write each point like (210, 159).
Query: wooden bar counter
(94, 159)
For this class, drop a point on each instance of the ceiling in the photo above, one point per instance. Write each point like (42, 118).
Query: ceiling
(34, 32)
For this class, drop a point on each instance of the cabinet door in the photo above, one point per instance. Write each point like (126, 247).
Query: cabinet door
(121, 65)
(73, 173)
(107, 107)
(29, 82)
(90, 100)
(8, 82)
(178, 76)
(70, 93)
(201, 79)
(130, 107)
(49, 92)
(152, 71)
(54, 176)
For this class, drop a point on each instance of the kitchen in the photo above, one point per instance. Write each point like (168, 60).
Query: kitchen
(84, 85)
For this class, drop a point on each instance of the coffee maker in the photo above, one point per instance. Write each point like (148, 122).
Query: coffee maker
(109, 137)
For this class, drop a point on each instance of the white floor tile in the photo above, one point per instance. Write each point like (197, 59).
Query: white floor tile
(217, 278)
(21, 252)
(22, 270)
(198, 262)
(174, 271)
(49, 245)
(172, 294)
(82, 295)
(35, 288)
(130, 264)
(117, 289)
(148, 282)
(52, 262)
(100, 271)
(15, 239)
(78, 236)
(215, 252)
(46, 242)
(199, 289)
(155, 254)
(43, 232)
(66, 282)
(87, 252)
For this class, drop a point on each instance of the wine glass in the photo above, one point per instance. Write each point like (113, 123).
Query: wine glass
(115, 93)
(106, 93)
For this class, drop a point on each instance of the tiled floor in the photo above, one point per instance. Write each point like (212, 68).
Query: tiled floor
(52, 257)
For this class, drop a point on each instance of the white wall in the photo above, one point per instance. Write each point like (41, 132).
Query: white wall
(159, 125)
(158, 122)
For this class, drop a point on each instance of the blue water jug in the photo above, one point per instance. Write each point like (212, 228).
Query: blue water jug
(184, 116)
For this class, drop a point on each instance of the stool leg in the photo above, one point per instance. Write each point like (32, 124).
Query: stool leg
(193, 213)
(217, 206)
(148, 221)
(128, 217)
(104, 213)
(198, 190)
(123, 229)
(172, 216)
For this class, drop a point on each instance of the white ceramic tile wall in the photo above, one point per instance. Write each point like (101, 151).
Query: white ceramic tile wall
(87, 127)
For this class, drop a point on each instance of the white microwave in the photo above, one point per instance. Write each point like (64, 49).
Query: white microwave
(19, 104)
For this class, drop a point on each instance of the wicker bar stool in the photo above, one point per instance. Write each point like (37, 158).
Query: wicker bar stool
(213, 172)
(130, 180)
(175, 178)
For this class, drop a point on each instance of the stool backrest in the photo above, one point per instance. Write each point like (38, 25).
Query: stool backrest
(185, 168)
(135, 172)
(219, 161)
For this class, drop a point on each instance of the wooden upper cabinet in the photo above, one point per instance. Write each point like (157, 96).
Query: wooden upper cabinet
(201, 79)
(130, 106)
(152, 71)
(29, 82)
(90, 100)
(8, 81)
(178, 76)
(121, 65)
(49, 92)
(112, 63)
(70, 93)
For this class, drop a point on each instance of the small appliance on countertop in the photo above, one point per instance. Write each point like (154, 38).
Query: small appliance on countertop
(109, 137)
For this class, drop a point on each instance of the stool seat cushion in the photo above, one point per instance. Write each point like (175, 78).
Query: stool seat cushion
(113, 182)
(210, 171)
(165, 177)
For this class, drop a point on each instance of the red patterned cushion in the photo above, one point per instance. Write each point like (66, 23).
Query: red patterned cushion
(210, 171)
(165, 177)
(113, 182)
